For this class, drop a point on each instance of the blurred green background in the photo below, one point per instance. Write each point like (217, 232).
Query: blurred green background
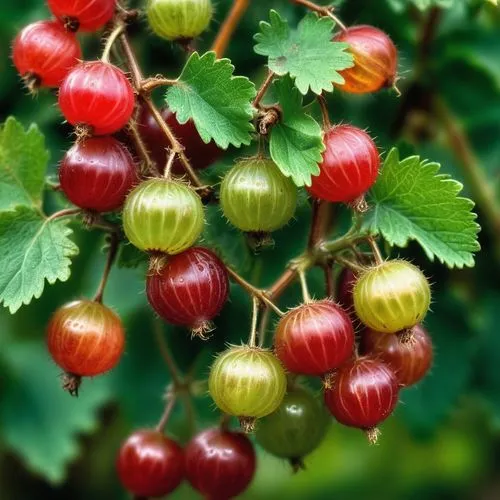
(443, 442)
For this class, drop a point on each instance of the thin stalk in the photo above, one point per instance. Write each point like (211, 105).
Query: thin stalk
(303, 284)
(112, 253)
(140, 147)
(166, 354)
(323, 11)
(150, 84)
(264, 320)
(169, 406)
(111, 40)
(253, 329)
(263, 89)
(357, 268)
(324, 112)
(329, 284)
(64, 213)
(168, 167)
(375, 250)
(229, 25)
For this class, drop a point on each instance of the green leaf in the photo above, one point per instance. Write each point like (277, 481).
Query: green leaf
(38, 420)
(296, 142)
(411, 201)
(33, 249)
(23, 161)
(402, 5)
(219, 103)
(307, 53)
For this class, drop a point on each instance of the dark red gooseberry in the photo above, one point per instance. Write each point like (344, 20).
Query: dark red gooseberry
(150, 464)
(363, 394)
(409, 359)
(85, 15)
(314, 338)
(220, 464)
(97, 173)
(199, 154)
(375, 59)
(98, 95)
(190, 289)
(350, 165)
(44, 52)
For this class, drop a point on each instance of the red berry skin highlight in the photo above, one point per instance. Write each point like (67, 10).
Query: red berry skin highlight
(220, 464)
(314, 338)
(199, 154)
(190, 289)
(375, 60)
(46, 52)
(410, 360)
(350, 165)
(85, 338)
(150, 464)
(97, 174)
(364, 393)
(98, 95)
(85, 15)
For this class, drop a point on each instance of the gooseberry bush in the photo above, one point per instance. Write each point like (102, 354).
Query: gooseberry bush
(196, 194)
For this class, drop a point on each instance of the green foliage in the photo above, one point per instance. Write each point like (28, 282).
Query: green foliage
(307, 53)
(34, 248)
(402, 5)
(296, 141)
(218, 102)
(411, 201)
(23, 162)
(40, 422)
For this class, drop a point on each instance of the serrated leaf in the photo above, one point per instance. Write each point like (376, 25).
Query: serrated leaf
(38, 420)
(296, 141)
(33, 249)
(219, 103)
(411, 201)
(23, 162)
(307, 53)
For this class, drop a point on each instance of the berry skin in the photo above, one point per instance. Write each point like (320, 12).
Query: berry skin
(256, 197)
(199, 154)
(220, 464)
(161, 215)
(314, 338)
(345, 287)
(97, 174)
(350, 165)
(85, 338)
(190, 290)
(150, 464)
(84, 15)
(248, 382)
(375, 60)
(296, 428)
(364, 393)
(98, 95)
(44, 52)
(179, 19)
(392, 296)
(410, 361)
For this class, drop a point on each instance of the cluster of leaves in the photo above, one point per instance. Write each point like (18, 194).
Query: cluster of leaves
(412, 201)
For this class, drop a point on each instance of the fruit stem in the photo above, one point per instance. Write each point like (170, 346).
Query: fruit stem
(253, 329)
(349, 264)
(303, 284)
(170, 162)
(149, 164)
(264, 320)
(118, 29)
(323, 11)
(329, 285)
(229, 26)
(169, 406)
(320, 222)
(263, 89)
(64, 213)
(260, 294)
(165, 352)
(375, 249)
(324, 112)
(114, 242)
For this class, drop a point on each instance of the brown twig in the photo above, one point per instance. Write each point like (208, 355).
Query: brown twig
(322, 11)
(64, 213)
(150, 84)
(169, 406)
(229, 25)
(324, 112)
(263, 89)
(114, 243)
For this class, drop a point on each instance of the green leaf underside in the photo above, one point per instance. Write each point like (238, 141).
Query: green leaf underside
(219, 103)
(41, 424)
(307, 53)
(411, 201)
(23, 161)
(33, 249)
(296, 142)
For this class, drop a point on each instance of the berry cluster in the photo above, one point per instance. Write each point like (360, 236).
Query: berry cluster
(364, 348)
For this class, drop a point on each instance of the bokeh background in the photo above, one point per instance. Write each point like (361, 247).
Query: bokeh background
(443, 442)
